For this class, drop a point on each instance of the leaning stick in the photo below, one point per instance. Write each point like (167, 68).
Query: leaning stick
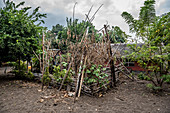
(82, 77)
(126, 70)
(92, 18)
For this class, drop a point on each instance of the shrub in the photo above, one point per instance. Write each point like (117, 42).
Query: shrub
(19, 71)
(95, 75)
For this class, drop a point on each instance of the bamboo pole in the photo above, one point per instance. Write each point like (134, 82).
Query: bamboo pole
(78, 78)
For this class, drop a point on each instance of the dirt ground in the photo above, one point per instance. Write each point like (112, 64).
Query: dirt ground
(18, 96)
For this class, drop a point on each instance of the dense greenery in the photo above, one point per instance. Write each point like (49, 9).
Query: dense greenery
(75, 31)
(154, 55)
(19, 35)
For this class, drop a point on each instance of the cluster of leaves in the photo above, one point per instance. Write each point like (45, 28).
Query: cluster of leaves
(57, 28)
(18, 32)
(96, 75)
(51, 37)
(154, 55)
(60, 73)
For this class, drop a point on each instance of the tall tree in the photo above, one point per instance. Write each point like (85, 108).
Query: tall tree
(146, 18)
(116, 35)
(18, 32)
(154, 55)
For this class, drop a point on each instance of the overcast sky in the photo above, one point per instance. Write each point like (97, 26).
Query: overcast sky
(58, 10)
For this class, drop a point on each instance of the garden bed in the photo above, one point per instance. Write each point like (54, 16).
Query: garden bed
(18, 96)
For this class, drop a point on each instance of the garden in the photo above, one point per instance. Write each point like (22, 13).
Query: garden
(77, 68)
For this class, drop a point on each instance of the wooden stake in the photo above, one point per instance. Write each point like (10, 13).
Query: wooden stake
(82, 77)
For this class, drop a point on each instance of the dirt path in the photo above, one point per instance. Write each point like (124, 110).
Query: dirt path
(17, 96)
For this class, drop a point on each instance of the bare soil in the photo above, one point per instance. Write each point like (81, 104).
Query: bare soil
(19, 96)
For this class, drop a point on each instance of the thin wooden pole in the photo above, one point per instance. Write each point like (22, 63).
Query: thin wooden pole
(43, 61)
(82, 77)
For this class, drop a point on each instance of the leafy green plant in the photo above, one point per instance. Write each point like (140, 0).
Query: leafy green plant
(155, 88)
(21, 71)
(59, 74)
(95, 75)
(46, 78)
